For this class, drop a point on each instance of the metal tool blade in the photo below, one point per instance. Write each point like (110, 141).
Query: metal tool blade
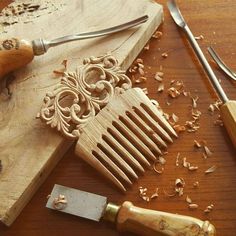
(79, 203)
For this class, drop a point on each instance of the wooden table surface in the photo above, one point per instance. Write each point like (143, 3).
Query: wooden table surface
(215, 20)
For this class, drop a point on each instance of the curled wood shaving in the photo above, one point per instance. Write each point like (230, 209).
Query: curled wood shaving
(160, 88)
(59, 202)
(197, 144)
(215, 106)
(210, 170)
(143, 194)
(164, 54)
(188, 199)
(194, 101)
(209, 208)
(187, 165)
(179, 186)
(157, 35)
(155, 194)
(173, 92)
(200, 37)
(159, 76)
(155, 167)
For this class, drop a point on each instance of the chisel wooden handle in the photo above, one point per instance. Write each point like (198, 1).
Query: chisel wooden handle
(149, 222)
(14, 54)
(228, 115)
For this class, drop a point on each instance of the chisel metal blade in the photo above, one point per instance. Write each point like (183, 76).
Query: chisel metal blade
(79, 203)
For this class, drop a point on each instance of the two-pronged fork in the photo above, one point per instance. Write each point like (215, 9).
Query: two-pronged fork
(221, 64)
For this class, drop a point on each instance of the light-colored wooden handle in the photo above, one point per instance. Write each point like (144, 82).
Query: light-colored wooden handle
(14, 54)
(228, 115)
(149, 222)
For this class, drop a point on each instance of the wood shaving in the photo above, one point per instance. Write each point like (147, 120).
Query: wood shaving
(164, 54)
(159, 171)
(173, 119)
(147, 47)
(196, 184)
(179, 186)
(179, 128)
(219, 121)
(188, 199)
(177, 159)
(143, 194)
(215, 106)
(173, 92)
(187, 165)
(193, 206)
(157, 35)
(209, 208)
(160, 88)
(200, 37)
(161, 160)
(208, 152)
(145, 90)
(204, 155)
(194, 101)
(210, 170)
(155, 194)
(59, 202)
(159, 76)
(197, 144)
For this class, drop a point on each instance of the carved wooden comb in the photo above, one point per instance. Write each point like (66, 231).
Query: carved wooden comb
(124, 136)
(119, 129)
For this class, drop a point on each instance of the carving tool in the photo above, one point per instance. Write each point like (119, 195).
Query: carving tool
(16, 53)
(228, 109)
(127, 217)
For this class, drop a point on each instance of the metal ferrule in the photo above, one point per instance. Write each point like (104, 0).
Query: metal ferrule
(110, 213)
(38, 47)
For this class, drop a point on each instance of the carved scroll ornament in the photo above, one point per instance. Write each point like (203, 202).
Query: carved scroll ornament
(81, 94)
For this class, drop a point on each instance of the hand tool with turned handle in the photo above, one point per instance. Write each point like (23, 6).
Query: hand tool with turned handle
(16, 53)
(126, 216)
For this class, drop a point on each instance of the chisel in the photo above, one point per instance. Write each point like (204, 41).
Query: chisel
(127, 217)
(16, 53)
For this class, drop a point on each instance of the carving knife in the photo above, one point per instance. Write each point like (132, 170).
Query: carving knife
(127, 217)
(16, 53)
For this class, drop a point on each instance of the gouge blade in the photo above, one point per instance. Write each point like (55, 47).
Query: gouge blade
(79, 203)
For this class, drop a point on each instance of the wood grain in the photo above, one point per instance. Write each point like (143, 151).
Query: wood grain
(28, 148)
(215, 20)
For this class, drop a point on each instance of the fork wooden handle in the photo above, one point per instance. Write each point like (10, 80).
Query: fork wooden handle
(14, 54)
(152, 223)
(228, 115)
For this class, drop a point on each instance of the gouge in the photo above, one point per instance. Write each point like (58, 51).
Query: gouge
(228, 109)
(127, 217)
(16, 53)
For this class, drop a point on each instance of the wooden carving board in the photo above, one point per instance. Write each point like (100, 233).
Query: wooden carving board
(28, 148)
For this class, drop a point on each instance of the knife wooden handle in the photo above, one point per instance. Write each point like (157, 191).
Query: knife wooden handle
(14, 54)
(149, 222)
(228, 115)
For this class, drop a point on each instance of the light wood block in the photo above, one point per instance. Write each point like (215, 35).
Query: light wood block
(28, 148)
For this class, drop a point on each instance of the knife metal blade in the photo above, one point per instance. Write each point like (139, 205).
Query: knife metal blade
(79, 203)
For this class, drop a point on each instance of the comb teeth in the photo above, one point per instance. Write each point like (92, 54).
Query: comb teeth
(125, 136)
